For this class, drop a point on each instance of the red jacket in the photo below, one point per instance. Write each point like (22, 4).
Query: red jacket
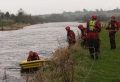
(83, 33)
(34, 57)
(119, 24)
(113, 26)
(93, 34)
(71, 36)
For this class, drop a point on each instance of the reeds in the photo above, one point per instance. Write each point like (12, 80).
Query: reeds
(60, 68)
(13, 26)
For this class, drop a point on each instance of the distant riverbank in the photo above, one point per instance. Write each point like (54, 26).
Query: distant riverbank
(13, 27)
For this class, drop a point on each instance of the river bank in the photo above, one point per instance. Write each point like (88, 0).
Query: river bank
(13, 27)
(76, 65)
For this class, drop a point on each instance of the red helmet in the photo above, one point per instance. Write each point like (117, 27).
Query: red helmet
(67, 28)
(113, 17)
(94, 16)
(80, 26)
(31, 52)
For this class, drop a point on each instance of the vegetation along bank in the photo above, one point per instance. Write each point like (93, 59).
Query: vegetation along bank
(75, 64)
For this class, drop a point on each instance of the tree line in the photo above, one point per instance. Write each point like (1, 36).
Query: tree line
(82, 16)
(20, 17)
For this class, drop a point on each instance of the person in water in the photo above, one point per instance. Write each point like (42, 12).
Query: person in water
(33, 56)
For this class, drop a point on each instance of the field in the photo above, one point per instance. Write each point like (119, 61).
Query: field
(106, 68)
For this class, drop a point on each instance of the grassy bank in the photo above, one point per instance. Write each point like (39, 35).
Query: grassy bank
(15, 26)
(7, 24)
(75, 64)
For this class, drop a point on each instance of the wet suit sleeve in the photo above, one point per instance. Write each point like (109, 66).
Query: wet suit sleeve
(28, 59)
(36, 56)
(98, 27)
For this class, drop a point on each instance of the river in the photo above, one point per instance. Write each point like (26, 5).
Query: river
(41, 38)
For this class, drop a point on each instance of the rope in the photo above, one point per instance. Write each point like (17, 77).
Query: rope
(9, 68)
(89, 70)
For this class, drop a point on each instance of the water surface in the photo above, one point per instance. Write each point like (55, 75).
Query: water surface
(41, 38)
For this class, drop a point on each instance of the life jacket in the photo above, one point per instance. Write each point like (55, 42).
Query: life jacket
(93, 29)
(92, 24)
(70, 36)
(113, 25)
(83, 32)
(34, 57)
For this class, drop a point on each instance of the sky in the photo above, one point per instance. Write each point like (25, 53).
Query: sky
(36, 7)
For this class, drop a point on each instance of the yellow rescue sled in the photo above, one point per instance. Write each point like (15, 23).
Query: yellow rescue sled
(32, 64)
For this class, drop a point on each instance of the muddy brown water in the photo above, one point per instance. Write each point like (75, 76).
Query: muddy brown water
(41, 38)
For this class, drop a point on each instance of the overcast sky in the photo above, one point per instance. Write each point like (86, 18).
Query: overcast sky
(36, 7)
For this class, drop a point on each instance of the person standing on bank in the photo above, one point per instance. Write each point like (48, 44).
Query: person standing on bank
(83, 36)
(70, 36)
(93, 30)
(112, 29)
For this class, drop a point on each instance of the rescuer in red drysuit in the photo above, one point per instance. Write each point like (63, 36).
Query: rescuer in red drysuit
(93, 30)
(33, 56)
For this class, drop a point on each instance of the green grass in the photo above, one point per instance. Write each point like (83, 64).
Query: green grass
(105, 69)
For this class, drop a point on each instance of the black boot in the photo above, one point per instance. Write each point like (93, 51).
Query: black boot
(112, 48)
(96, 55)
(99, 51)
(92, 56)
(113, 44)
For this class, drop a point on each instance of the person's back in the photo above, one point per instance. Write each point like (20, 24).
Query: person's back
(70, 36)
(83, 35)
(93, 30)
(33, 56)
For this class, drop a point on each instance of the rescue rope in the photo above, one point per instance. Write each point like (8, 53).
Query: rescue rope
(13, 68)
(89, 70)
(9, 68)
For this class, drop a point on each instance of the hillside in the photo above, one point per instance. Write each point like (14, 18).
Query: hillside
(81, 15)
